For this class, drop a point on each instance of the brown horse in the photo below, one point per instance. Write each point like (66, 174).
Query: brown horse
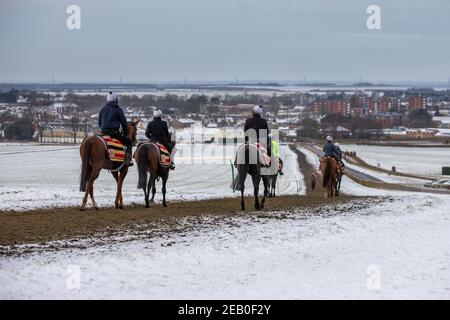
(147, 156)
(328, 167)
(94, 158)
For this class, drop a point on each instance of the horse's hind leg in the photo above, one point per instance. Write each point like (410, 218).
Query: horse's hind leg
(147, 188)
(242, 199)
(242, 177)
(119, 198)
(152, 185)
(90, 188)
(256, 180)
(164, 182)
(266, 191)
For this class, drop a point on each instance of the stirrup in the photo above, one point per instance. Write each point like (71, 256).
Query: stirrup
(129, 160)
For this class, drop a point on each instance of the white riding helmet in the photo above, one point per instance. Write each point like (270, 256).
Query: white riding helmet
(112, 97)
(336, 144)
(257, 109)
(157, 113)
(329, 138)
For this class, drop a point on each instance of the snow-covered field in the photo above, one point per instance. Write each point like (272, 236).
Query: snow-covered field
(426, 161)
(348, 186)
(397, 248)
(34, 176)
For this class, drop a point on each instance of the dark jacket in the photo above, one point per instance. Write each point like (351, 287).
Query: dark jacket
(329, 149)
(111, 117)
(257, 123)
(158, 130)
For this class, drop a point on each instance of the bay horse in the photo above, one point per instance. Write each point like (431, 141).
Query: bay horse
(248, 162)
(339, 175)
(328, 168)
(94, 158)
(147, 156)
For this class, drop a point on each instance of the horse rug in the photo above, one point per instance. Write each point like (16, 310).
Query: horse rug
(115, 149)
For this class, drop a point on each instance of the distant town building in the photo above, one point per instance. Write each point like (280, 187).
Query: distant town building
(415, 103)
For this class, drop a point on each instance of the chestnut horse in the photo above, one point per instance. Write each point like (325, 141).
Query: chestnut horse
(328, 167)
(147, 156)
(94, 158)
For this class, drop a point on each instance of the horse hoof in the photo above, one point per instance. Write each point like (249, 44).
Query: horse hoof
(121, 206)
(147, 206)
(82, 209)
(96, 208)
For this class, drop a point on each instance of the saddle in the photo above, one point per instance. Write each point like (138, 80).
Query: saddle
(263, 157)
(340, 169)
(115, 149)
(164, 154)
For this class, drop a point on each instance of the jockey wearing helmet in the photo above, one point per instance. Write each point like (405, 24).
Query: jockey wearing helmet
(158, 131)
(339, 154)
(257, 126)
(110, 119)
(329, 149)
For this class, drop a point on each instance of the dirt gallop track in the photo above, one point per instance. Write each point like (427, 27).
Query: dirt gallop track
(44, 225)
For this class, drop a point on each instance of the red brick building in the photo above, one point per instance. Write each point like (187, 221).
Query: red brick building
(387, 120)
(332, 106)
(415, 103)
(383, 105)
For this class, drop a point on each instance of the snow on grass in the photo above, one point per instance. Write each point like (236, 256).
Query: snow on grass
(293, 255)
(426, 161)
(350, 187)
(388, 178)
(36, 176)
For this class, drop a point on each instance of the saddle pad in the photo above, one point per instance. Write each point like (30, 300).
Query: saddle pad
(164, 155)
(116, 149)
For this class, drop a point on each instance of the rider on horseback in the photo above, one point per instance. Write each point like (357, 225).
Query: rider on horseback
(110, 119)
(158, 131)
(339, 156)
(256, 124)
(329, 149)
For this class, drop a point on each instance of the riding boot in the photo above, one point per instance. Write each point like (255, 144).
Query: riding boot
(172, 166)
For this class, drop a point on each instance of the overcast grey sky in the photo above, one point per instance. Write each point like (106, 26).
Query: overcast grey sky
(168, 40)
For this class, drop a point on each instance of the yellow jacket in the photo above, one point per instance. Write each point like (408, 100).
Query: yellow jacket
(274, 148)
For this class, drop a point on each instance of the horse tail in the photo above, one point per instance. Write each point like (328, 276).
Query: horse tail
(327, 173)
(85, 165)
(142, 167)
(236, 183)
